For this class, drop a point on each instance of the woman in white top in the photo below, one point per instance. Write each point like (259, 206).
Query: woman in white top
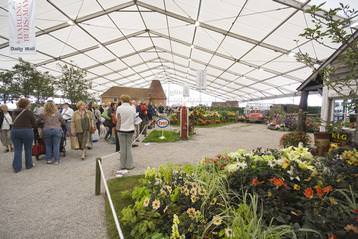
(5, 126)
(125, 127)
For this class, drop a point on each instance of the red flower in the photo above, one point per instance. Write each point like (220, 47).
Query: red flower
(319, 191)
(278, 182)
(355, 211)
(327, 189)
(254, 182)
(308, 193)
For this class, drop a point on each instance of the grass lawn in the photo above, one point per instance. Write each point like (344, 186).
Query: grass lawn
(120, 189)
(170, 136)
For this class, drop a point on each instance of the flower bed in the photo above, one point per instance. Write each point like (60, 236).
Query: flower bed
(288, 122)
(204, 117)
(259, 194)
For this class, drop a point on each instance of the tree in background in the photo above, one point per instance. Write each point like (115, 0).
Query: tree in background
(72, 84)
(43, 86)
(23, 74)
(8, 88)
(328, 29)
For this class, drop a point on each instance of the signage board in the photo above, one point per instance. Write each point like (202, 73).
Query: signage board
(22, 39)
(162, 123)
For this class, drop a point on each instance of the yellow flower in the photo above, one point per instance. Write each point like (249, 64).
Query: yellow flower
(193, 191)
(217, 220)
(296, 187)
(193, 198)
(146, 202)
(285, 164)
(213, 201)
(332, 201)
(156, 204)
(269, 194)
(191, 212)
(163, 192)
(201, 191)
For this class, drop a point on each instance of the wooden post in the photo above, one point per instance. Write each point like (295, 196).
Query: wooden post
(301, 124)
(98, 177)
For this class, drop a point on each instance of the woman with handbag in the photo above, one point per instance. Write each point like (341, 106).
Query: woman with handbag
(5, 126)
(82, 126)
(22, 134)
(52, 132)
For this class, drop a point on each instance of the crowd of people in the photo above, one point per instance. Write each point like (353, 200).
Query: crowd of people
(50, 125)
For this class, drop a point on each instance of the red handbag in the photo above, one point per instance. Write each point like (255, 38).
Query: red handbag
(38, 149)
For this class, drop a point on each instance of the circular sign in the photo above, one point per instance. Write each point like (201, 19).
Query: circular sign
(162, 122)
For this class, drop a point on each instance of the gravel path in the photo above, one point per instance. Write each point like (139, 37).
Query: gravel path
(51, 201)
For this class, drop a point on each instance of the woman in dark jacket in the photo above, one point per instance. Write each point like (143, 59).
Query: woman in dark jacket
(22, 134)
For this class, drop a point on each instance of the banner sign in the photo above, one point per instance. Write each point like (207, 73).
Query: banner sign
(186, 91)
(22, 26)
(201, 79)
(162, 123)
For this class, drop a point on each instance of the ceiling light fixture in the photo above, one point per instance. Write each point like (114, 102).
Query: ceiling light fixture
(197, 23)
(70, 22)
(192, 46)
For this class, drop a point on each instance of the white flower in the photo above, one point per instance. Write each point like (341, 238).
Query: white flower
(271, 163)
(146, 202)
(242, 165)
(231, 168)
(217, 220)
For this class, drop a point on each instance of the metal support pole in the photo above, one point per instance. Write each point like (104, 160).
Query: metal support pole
(98, 177)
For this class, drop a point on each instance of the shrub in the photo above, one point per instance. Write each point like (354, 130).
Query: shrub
(294, 139)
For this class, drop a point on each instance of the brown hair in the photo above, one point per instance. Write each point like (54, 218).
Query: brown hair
(50, 108)
(23, 103)
(4, 108)
(125, 98)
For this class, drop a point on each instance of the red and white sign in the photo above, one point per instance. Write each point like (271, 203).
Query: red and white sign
(22, 26)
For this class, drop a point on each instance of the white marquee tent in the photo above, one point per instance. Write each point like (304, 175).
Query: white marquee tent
(245, 46)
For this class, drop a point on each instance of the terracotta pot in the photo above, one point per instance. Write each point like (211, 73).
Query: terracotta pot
(322, 142)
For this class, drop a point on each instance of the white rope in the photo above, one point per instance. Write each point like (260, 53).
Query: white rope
(115, 217)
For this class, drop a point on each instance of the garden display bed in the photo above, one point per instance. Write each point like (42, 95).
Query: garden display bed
(272, 194)
(154, 136)
(202, 116)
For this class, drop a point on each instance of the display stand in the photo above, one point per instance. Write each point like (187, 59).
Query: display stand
(184, 123)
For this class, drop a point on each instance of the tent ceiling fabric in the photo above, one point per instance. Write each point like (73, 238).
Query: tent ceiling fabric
(241, 44)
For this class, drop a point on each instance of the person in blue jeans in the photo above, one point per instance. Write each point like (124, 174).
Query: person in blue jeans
(22, 134)
(52, 132)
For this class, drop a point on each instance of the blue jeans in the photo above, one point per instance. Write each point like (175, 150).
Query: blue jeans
(22, 137)
(52, 139)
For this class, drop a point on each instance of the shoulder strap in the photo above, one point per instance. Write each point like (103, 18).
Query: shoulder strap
(19, 115)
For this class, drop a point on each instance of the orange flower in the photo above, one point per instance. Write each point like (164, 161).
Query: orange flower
(332, 236)
(254, 182)
(278, 182)
(327, 189)
(319, 191)
(308, 193)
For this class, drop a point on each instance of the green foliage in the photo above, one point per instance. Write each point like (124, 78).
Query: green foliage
(294, 139)
(24, 79)
(8, 86)
(154, 136)
(330, 28)
(73, 85)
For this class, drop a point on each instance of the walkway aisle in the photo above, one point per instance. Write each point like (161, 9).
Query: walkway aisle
(58, 201)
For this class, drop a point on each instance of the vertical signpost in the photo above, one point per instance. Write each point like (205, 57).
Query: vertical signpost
(184, 123)
(162, 123)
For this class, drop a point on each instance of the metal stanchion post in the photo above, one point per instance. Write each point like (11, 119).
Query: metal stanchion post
(98, 177)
